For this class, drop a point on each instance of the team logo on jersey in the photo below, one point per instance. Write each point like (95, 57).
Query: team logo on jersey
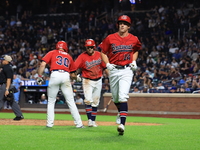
(121, 48)
(93, 63)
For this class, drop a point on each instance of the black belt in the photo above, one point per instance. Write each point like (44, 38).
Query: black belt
(121, 67)
(93, 79)
(59, 70)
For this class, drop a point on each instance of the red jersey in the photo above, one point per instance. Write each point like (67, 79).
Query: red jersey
(59, 60)
(92, 66)
(120, 50)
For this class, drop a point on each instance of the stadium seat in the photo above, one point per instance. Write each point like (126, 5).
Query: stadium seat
(153, 91)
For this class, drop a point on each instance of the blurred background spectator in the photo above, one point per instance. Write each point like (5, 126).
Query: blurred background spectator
(169, 33)
(79, 99)
(43, 99)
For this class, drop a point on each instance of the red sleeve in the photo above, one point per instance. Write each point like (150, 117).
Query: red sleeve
(79, 61)
(103, 65)
(47, 57)
(72, 67)
(138, 45)
(105, 45)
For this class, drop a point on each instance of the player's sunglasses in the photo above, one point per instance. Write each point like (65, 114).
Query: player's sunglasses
(92, 47)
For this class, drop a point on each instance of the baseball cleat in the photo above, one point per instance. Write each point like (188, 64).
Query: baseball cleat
(49, 125)
(118, 120)
(81, 126)
(90, 123)
(121, 129)
(18, 118)
(94, 124)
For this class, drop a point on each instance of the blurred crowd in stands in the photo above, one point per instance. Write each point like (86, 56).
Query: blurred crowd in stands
(169, 61)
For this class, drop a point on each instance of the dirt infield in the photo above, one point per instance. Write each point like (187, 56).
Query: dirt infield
(65, 123)
(71, 123)
(114, 114)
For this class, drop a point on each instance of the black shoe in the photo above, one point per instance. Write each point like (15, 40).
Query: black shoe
(18, 118)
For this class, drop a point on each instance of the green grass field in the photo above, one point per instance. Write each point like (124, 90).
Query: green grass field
(174, 134)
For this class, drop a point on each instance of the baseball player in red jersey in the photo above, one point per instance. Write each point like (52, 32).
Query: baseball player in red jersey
(62, 67)
(120, 51)
(92, 66)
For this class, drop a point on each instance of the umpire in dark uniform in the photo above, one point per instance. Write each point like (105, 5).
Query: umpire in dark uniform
(6, 77)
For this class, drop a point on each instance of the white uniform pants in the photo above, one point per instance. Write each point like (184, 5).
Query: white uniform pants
(92, 91)
(61, 80)
(120, 82)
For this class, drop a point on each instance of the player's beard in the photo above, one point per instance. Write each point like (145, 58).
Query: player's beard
(123, 33)
(90, 52)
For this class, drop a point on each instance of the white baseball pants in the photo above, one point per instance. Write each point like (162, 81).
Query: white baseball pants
(120, 82)
(61, 80)
(92, 91)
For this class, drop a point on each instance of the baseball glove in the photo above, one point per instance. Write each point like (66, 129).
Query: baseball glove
(10, 96)
(13, 89)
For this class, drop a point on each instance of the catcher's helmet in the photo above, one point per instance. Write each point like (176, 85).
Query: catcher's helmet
(63, 45)
(124, 18)
(90, 42)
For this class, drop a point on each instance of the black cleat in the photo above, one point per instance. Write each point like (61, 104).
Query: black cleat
(18, 118)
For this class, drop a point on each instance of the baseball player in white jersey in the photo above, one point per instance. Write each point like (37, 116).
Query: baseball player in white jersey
(91, 66)
(62, 67)
(120, 51)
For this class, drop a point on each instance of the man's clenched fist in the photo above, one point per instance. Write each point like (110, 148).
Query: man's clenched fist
(110, 66)
(133, 65)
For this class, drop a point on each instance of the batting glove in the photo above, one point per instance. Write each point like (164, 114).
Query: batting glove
(78, 78)
(133, 65)
(110, 66)
(40, 80)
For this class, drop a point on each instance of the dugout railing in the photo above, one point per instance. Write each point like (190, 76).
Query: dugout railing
(30, 96)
